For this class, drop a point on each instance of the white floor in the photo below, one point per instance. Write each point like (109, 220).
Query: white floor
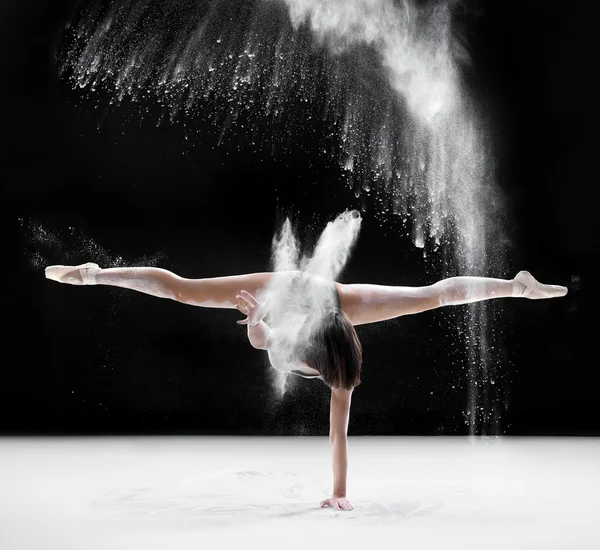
(247, 493)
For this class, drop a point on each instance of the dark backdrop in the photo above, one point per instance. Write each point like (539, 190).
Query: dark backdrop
(107, 360)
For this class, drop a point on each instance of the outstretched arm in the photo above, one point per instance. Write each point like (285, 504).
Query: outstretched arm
(339, 414)
(365, 303)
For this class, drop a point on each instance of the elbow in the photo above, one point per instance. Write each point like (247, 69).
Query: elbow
(258, 342)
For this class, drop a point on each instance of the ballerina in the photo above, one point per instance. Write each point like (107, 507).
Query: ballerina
(320, 341)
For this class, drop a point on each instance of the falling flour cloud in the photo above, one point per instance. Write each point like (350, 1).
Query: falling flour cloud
(421, 68)
(382, 74)
(442, 176)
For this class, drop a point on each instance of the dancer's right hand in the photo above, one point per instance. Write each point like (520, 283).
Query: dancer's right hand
(251, 307)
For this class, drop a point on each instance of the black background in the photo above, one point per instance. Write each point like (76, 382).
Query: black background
(107, 360)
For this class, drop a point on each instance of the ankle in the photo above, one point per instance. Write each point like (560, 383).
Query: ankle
(88, 275)
(517, 289)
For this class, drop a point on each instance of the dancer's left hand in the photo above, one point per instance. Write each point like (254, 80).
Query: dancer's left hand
(339, 503)
(251, 307)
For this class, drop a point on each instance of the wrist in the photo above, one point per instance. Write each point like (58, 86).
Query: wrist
(258, 335)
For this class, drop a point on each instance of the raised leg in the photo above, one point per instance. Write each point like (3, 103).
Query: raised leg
(364, 303)
(217, 292)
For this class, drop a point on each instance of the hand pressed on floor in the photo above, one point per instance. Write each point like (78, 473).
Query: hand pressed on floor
(339, 503)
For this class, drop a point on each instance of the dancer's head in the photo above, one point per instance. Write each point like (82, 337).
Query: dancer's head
(333, 349)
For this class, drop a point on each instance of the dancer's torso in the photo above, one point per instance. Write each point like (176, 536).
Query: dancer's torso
(295, 298)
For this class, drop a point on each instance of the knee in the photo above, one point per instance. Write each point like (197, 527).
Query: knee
(450, 292)
(170, 285)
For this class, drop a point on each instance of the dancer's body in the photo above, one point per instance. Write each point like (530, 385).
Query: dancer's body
(330, 350)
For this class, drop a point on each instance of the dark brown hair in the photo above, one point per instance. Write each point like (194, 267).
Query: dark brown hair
(333, 349)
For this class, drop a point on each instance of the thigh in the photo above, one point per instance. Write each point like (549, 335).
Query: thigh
(365, 303)
(220, 292)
